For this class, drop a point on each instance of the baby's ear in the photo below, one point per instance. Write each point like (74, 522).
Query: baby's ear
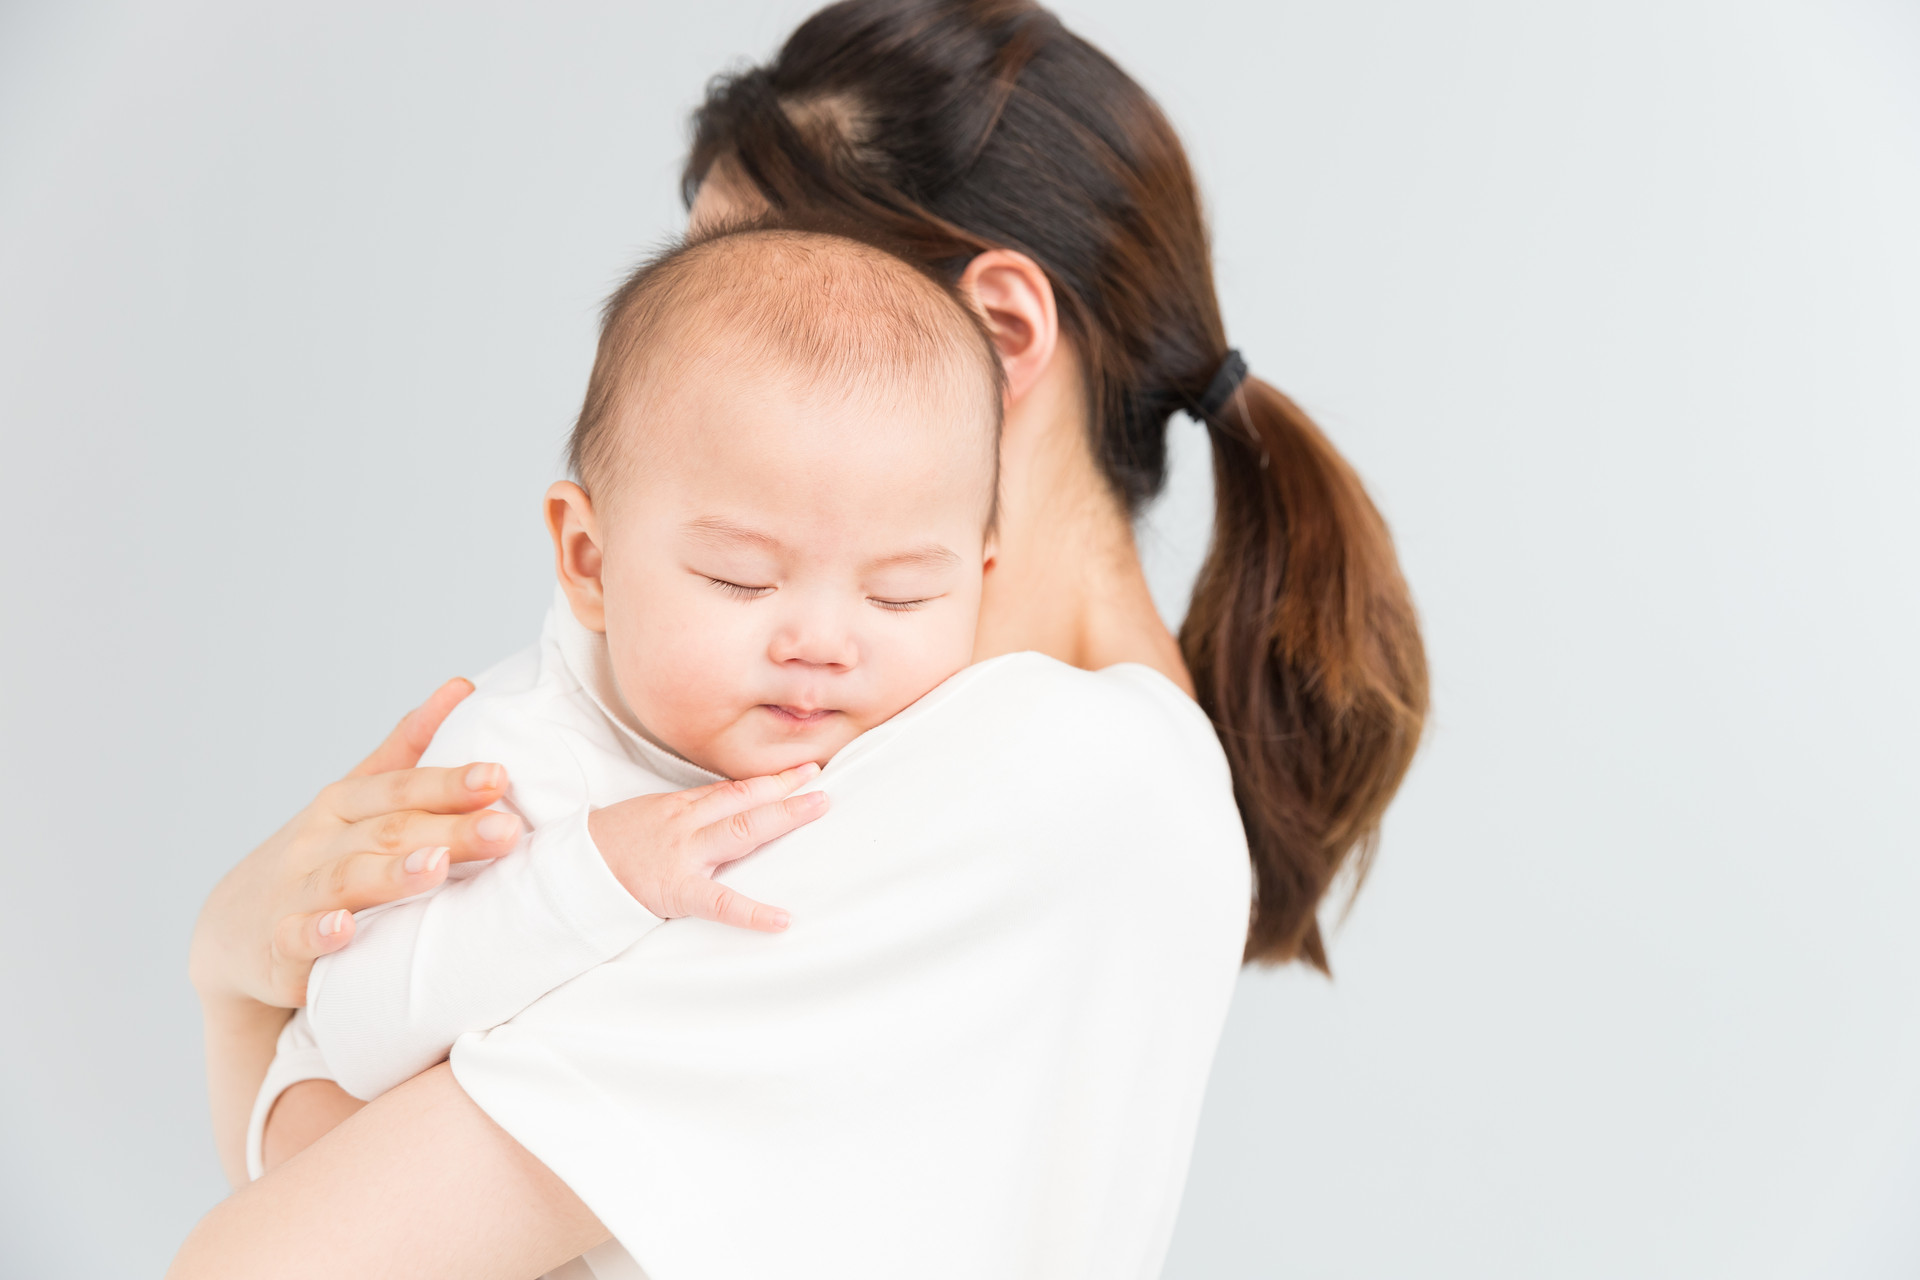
(576, 552)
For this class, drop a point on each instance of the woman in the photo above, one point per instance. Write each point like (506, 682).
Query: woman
(995, 144)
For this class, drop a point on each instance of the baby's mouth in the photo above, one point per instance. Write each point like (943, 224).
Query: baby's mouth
(798, 716)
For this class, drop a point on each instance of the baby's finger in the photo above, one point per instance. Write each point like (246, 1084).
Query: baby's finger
(362, 880)
(487, 834)
(724, 799)
(741, 834)
(461, 790)
(711, 900)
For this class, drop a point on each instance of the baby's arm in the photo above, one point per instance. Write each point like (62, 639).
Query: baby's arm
(583, 886)
(421, 973)
(470, 955)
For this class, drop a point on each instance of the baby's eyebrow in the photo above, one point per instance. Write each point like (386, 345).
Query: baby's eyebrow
(720, 529)
(928, 555)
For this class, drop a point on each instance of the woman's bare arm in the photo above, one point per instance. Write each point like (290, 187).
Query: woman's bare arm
(303, 1114)
(420, 1183)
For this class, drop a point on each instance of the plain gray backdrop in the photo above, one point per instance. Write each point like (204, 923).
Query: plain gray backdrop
(1615, 306)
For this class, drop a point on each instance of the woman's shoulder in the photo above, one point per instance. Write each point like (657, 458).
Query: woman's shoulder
(1029, 709)
(1022, 743)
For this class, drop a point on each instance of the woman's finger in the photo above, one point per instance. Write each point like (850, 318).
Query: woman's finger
(299, 940)
(461, 790)
(467, 837)
(724, 799)
(361, 880)
(304, 938)
(741, 834)
(711, 900)
(410, 737)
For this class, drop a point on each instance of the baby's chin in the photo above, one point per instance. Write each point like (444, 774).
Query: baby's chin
(767, 742)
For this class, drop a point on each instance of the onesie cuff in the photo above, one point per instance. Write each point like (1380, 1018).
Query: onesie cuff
(296, 1057)
(583, 891)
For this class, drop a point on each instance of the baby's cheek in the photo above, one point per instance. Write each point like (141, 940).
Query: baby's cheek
(908, 676)
(676, 710)
(658, 676)
(934, 655)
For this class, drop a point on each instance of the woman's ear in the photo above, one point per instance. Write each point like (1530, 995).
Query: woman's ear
(1015, 297)
(576, 552)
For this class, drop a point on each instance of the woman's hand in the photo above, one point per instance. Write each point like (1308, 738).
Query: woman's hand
(385, 831)
(665, 848)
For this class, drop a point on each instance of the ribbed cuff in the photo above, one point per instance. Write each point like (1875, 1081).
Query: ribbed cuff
(582, 891)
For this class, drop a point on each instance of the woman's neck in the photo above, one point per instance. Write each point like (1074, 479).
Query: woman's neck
(1067, 579)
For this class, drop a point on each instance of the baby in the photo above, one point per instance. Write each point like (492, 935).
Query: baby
(787, 465)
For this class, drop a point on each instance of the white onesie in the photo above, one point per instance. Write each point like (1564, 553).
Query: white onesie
(480, 948)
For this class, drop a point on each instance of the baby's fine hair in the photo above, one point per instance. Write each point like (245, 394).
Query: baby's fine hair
(837, 308)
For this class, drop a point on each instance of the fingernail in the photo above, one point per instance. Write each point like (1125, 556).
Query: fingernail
(424, 859)
(497, 826)
(480, 777)
(806, 770)
(332, 923)
(814, 799)
(778, 919)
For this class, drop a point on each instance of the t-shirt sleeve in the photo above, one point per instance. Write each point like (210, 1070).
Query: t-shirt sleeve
(468, 956)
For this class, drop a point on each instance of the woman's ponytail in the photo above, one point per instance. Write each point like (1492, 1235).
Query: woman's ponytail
(954, 126)
(1305, 652)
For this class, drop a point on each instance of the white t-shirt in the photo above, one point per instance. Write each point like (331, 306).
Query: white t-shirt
(979, 1050)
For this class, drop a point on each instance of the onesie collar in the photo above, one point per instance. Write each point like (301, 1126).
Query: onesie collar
(585, 654)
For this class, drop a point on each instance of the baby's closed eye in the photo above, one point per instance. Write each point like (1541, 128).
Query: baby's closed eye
(902, 606)
(738, 590)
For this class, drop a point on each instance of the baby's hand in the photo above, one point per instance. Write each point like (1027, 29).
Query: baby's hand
(665, 848)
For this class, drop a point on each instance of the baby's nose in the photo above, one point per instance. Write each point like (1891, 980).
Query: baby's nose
(816, 643)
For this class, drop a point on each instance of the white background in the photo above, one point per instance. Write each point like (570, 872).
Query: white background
(1616, 306)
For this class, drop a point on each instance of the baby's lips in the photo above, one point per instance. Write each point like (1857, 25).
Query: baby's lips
(800, 713)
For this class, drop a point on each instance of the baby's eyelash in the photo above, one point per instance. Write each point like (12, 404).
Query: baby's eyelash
(901, 606)
(737, 591)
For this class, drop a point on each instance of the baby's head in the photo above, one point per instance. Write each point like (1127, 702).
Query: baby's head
(787, 462)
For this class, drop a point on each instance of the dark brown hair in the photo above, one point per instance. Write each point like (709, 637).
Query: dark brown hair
(956, 126)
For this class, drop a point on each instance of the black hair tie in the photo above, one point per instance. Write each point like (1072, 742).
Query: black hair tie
(1226, 380)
